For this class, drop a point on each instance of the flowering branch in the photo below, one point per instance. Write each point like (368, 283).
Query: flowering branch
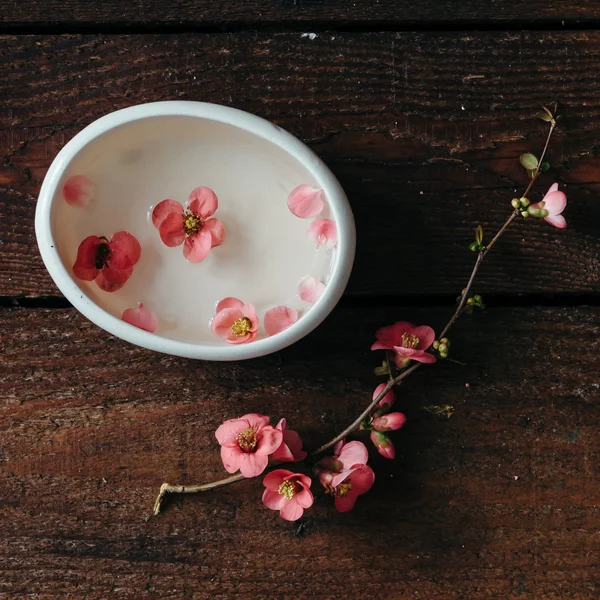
(247, 443)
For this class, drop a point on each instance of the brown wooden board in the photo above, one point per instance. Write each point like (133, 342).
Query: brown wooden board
(423, 130)
(500, 501)
(286, 13)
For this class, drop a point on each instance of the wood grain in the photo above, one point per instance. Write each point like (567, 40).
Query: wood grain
(285, 13)
(500, 501)
(423, 130)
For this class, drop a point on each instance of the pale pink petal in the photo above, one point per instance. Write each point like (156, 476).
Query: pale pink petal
(279, 318)
(426, 336)
(163, 209)
(141, 317)
(413, 354)
(229, 302)
(78, 191)
(85, 265)
(323, 232)
(281, 425)
(283, 454)
(342, 476)
(557, 220)
(269, 440)
(353, 453)
(256, 421)
(232, 458)
(253, 464)
(305, 499)
(555, 203)
(339, 446)
(310, 289)
(171, 230)
(123, 244)
(223, 320)
(250, 313)
(304, 480)
(553, 188)
(216, 230)
(112, 280)
(197, 246)
(203, 201)
(293, 442)
(388, 399)
(271, 499)
(274, 479)
(291, 510)
(305, 201)
(240, 339)
(227, 432)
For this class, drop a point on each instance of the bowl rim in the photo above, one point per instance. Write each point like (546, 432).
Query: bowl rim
(337, 200)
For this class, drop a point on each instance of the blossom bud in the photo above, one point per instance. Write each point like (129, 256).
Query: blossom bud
(470, 301)
(478, 299)
(474, 247)
(389, 422)
(524, 214)
(436, 344)
(515, 203)
(524, 202)
(443, 349)
(446, 341)
(384, 445)
(444, 354)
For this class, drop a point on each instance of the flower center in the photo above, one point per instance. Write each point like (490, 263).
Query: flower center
(340, 490)
(287, 489)
(241, 326)
(247, 440)
(409, 340)
(102, 253)
(191, 222)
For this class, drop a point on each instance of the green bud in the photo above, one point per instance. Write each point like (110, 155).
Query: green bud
(477, 298)
(470, 301)
(445, 341)
(524, 202)
(524, 214)
(435, 344)
(515, 203)
(474, 247)
(443, 354)
(443, 349)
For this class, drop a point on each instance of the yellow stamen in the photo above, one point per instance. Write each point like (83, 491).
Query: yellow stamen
(191, 222)
(247, 440)
(287, 489)
(340, 490)
(409, 340)
(241, 326)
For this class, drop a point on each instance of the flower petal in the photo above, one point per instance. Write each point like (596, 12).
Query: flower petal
(123, 244)
(391, 335)
(291, 510)
(353, 453)
(310, 289)
(253, 464)
(203, 201)
(197, 246)
(388, 399)
(305, 498)
(323, 232)
(232, 458)
(426, 336)
(553, 188)
(556, 220)
(112, 280)
(229, 302)
(279, 318)
(383, 444)
(223, 320)
(250, 313)
(293, 442)
(256, 421)
(275, 478)
(555, 203)
(362, 479)
(305, 201)
(78, 191)
(164, 209)
(227, 432)
(389, 422)
(413, 354)
(141, 317)
(171, 230)
(85, 264)
(269, 440)
(347, 502)
(217, 231)
(271, 499)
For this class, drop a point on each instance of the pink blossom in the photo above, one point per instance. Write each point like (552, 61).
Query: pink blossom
(141, 317)
(310, 289)
(191, 226)
(409, 342)
(246, 444)
(306, 201)
(78, 191)
(288, 493)
(389, 422)
(348, 485)
(345, 456)
(323, 232)
(108, 263)
(291, 445)
(279, 318)
(235, 321)
(383, 444)
(551, 207)
(388, 400)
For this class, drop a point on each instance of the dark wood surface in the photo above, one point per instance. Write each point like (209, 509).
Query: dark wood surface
(424, 129)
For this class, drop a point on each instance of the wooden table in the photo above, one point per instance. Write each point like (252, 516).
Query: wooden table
(421, 109)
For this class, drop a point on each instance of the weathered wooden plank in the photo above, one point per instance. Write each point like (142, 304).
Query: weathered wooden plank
(501, 501)
(423, 130)
(388, 13)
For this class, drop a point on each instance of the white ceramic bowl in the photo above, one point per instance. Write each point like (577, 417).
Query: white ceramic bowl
(169, 142)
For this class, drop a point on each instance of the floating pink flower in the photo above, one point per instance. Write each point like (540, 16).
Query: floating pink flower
(108, 263)
(78, 191)
(141, 317)
(235, 321)
(291, 446)
(310, 289)
(288, 493)
(409, 342)
(306, 201)
(551, 207)
(323, 232)
(191, 226)
(246, 444)
(279, 318)
(383, 444)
